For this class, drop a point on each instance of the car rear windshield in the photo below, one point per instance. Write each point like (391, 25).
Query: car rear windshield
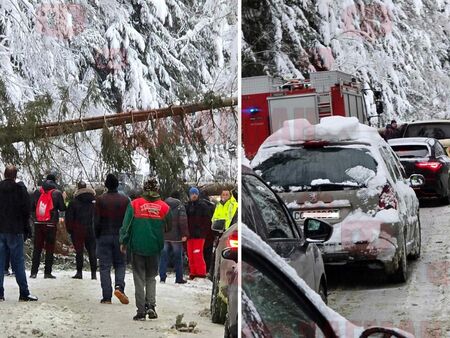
(434, 130)
(411, 151)
(324, 168)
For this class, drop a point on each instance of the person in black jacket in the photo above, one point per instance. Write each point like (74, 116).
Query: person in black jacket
(45, 231)
(199, 215)
(80, 226)
(14, 228)
(173, 240)
(109, 213)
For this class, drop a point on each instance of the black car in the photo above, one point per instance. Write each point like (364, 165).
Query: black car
(265, 213)
(425, 156)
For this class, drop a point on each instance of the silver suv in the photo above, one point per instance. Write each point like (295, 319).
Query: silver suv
(357, 184)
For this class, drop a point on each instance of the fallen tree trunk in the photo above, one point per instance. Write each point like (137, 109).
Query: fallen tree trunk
(13, 134)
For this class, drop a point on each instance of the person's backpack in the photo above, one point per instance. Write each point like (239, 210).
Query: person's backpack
(44, 206)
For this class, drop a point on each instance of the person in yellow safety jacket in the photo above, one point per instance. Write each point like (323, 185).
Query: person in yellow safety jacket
(226, 209)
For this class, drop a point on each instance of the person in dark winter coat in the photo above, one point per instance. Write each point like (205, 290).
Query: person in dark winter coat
(80, 226)
(173, 240)
(109, 213)
(392, 131)
(45, 231)
(199, 215)
(14, 228)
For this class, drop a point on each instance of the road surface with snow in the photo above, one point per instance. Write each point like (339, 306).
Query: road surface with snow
(420, 306)
(71, 308)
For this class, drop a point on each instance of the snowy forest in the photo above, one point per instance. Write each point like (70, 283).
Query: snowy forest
(399, 47)
(63, 60)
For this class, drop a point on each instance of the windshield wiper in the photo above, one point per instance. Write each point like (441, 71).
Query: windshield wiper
(321, 186)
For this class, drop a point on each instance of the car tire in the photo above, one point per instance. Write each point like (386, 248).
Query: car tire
(228, 332)
(218, 306)
(401, 274)
(323, 292)
(415, 254)
(445, 200)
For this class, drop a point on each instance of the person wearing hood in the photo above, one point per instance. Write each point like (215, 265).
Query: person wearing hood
(226, 209)
(80, 226)
(146, 220)
(109, 213)
(48, 202)
(173, 240)
(14, 228)
(199, 222)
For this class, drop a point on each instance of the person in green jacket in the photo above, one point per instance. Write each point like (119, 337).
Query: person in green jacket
(226, 209)
(142, 231)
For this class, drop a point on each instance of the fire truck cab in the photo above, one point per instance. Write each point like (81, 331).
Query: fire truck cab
(268, 102)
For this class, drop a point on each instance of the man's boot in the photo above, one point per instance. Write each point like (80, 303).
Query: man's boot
(48, 266)
(79, 261)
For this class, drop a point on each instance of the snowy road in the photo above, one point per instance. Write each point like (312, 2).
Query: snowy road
(420, 306)
(71, 308)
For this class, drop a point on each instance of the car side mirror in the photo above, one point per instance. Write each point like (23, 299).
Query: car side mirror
(382, 332)
(416, 181)
(218, 225)
(317, 231)
(230, 253)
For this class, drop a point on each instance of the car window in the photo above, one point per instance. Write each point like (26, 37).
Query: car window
(439, 150)
(411, 151)
(303, 169)
(275, 218)
(392, 164)
(268, 309)
(434, 130)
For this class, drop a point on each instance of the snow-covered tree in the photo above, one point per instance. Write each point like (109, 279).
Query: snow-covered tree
(400, 47)
(83, 58)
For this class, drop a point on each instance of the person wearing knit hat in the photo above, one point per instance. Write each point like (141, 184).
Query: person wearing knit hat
(80, 225)
(111, 182)
(109, 213)
(194, 191)
(199, 216)
(146, 220)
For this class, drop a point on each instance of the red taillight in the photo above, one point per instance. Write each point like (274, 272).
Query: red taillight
(388, 200)
(433, 166)
(233, 241)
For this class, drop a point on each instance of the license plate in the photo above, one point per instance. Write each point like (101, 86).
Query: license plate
(320, 214)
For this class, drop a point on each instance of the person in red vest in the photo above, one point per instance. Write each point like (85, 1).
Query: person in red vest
(48, 201)
(144, 224)
(199, 215)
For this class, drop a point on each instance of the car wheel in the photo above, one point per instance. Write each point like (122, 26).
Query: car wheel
(401, 274)
(218, 306)
(323, 292)
(415, 254)
(445, 199)
(228, 332)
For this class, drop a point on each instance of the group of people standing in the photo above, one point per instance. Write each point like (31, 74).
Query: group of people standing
(110, 227)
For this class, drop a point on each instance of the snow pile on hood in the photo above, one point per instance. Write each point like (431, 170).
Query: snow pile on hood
(340, 325)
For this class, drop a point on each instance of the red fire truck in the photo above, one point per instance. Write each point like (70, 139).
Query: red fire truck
(268, 102)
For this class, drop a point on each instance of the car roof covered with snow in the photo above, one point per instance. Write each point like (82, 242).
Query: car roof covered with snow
(333, 129)
(340, 325)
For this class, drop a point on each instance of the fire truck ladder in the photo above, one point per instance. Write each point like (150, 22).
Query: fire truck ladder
(324, 104)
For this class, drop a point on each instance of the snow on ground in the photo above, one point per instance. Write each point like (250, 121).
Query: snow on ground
(71, 308)
(421, 305)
